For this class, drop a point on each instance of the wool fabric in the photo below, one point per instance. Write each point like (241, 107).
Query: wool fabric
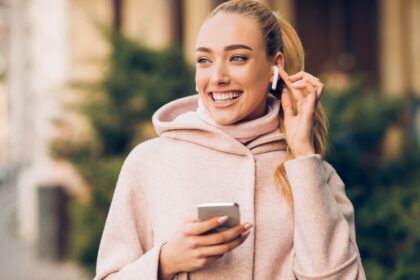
(191, 162)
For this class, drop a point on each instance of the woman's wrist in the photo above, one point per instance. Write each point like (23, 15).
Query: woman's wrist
(305, 155)
(302, 149)
(165, 271)
(301, 153)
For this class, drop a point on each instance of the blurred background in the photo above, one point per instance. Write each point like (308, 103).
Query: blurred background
(79, 81)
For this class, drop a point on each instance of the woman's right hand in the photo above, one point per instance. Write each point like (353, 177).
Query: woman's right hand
(190, 249)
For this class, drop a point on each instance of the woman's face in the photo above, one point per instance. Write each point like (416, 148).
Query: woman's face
(233, 73)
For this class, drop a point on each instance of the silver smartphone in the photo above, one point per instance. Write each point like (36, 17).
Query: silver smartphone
(210, 210)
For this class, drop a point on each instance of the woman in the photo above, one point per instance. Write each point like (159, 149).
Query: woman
(235, 142)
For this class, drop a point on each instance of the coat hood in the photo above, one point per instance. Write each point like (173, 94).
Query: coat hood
(179, 120)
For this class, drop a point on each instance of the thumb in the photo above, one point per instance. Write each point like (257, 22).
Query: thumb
(286, 104)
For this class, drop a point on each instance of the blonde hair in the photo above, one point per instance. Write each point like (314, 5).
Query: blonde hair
(280, 36)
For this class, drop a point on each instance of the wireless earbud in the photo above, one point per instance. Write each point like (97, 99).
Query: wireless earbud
(275, 78)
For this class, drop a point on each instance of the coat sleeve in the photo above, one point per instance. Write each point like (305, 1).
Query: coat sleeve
(324, 232)
(126, 250)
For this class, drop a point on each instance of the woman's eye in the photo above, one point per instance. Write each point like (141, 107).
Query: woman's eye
(202, 60)
(238, 58)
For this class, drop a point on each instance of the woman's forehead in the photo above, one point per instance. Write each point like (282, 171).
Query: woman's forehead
(226, 29)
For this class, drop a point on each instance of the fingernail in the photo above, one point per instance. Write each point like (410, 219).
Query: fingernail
(247, 226)
(298, 83)
(223, 219)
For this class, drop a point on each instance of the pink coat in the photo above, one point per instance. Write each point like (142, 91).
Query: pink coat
(164, 179)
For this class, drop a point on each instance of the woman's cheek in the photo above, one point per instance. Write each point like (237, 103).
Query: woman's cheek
(200, 79)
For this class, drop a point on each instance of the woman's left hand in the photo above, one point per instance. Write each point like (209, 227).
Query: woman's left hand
(306, 90)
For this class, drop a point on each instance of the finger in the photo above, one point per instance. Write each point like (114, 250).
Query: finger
(314, 81)
(311, 94)
(286, 104)
(300, 84)
(296, 77)
(309, 89)
(211, 259)
(246, 233)
(283, 74)
(222, 248)
(204, 261)
(310, 102)
(306, 105)
(198, 228)
(298, 88)
(310, 79)
(304, 87)
(319, 91)
(295, 94)
(223, 236)
(300, 75)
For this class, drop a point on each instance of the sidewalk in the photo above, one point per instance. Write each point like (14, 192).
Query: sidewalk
(18, 261)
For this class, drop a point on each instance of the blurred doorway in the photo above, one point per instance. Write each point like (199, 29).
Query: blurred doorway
(340, 35)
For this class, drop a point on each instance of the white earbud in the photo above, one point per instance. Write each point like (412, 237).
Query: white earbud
(196, 88)
(275, 78)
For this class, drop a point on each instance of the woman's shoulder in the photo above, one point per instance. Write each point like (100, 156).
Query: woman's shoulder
(147, 148)
(154, 149)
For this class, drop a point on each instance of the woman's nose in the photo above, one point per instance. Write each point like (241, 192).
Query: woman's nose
(219, 75)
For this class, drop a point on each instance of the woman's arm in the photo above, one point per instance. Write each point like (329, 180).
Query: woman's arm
(125, 250)
(324, 236)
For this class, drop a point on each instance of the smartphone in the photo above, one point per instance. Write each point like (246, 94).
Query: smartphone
(210, 210)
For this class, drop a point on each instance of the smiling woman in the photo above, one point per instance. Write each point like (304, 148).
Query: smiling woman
(254, 135)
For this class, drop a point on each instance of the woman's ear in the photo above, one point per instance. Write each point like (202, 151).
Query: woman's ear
(279, 59)
(278, 62)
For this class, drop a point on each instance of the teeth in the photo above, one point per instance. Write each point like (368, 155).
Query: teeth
(225, 96)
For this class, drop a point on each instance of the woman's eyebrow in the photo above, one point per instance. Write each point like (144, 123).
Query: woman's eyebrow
(227, 48)
(237, 46)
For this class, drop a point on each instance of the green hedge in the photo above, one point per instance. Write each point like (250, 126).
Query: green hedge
(384, 190)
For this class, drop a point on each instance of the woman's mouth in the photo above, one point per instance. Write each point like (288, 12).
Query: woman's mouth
(225, 97)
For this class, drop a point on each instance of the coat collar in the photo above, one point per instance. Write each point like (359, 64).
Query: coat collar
(179, 120)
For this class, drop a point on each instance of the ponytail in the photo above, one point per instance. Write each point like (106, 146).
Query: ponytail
(293, 63)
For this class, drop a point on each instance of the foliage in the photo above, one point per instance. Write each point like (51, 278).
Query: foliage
(137, 82)
(88, 219)
(385, 191)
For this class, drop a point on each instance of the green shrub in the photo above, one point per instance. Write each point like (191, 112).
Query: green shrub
(88, 219)
(385, 191)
